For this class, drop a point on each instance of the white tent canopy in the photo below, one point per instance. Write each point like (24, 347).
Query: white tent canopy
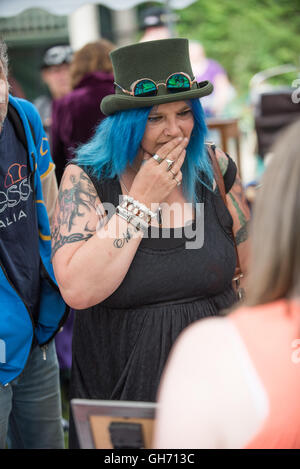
(66, 7)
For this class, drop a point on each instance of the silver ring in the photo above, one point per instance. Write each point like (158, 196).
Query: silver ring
(157, 158)
(170, 164)
(178, 182)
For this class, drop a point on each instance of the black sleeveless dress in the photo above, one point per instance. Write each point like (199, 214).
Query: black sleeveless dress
(120, 346)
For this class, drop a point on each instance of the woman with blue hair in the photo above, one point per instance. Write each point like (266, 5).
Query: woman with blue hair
(142, 240)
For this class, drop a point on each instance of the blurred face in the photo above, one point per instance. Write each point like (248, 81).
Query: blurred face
(3, 95)
(57, 78)
(165, 122)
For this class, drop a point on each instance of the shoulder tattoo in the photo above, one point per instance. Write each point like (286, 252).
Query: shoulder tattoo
(76, 197)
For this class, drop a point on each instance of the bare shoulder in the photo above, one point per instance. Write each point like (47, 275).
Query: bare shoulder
(202, 337)
(74, 176)
(206, 386)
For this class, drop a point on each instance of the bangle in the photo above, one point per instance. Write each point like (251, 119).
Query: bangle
(137, 208)
(135, 221)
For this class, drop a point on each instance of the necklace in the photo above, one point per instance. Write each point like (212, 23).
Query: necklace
(159, 207)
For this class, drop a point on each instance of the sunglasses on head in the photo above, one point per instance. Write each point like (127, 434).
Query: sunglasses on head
(144, 87)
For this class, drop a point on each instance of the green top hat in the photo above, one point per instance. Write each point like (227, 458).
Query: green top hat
(155, 60)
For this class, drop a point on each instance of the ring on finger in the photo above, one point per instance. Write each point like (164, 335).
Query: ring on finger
(178, 182)
(170, 164)
(157, 158)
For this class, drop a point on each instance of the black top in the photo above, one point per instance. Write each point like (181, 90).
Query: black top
(120, 346)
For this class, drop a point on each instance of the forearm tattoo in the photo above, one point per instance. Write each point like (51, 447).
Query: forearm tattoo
(75, 201)
(60, 240)
(120, 242)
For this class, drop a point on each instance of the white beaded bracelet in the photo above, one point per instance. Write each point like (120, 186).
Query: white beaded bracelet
(137, 208)
(134, 220)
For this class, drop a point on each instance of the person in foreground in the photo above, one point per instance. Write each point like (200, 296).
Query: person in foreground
(245, 393)
(32, 309)
(140, 274)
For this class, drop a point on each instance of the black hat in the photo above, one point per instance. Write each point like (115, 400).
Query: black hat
(156, 16)
(57, 55)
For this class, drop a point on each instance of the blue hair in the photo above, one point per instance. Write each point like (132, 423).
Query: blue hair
(117, 140)
(197, 165)
(115, 143)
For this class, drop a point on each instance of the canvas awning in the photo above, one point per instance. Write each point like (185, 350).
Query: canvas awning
(66, 7)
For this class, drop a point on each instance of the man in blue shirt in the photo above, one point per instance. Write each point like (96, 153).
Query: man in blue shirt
(32, 310)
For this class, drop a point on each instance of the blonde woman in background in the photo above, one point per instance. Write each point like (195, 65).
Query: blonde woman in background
(245, 393)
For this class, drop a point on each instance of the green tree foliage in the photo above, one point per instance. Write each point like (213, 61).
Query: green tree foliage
(245, 36)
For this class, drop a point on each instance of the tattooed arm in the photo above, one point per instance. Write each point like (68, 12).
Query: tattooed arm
(90, 255)
(239, 210)
(240, 213)
(76, 201)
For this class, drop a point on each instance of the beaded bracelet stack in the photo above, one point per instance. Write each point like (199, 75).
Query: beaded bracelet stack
(135, 213)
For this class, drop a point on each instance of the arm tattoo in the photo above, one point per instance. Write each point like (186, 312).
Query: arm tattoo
(242, 218)
(72, 202)
(120, 242)
(242, 234)
(239, 202)
(223, 163)
(238, 190)
(59, 240)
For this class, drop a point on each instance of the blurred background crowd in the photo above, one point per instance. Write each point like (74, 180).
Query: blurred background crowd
(249, 50)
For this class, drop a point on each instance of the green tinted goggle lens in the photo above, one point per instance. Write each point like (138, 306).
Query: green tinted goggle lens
(178, 82)
(145, 88)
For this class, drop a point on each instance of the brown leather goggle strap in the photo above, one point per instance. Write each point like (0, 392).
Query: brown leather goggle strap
(221, 185)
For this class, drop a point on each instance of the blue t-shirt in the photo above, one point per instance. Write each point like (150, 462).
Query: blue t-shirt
(19, 246)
